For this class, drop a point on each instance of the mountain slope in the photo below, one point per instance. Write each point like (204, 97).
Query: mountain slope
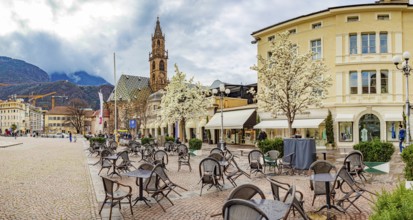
(14, 71)
(80, 78)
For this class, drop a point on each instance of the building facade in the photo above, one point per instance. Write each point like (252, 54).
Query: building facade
(357, 43)
(25, 116)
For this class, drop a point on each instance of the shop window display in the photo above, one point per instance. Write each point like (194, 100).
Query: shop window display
(346, 131)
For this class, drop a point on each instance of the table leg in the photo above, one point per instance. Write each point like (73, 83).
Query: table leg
(114, 170)
(140, 196)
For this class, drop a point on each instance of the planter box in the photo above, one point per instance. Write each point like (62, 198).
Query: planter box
(195, 152)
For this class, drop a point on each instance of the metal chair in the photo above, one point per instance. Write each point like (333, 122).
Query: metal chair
(354, 163)
(256, 161)
(210, 173)
(286, 163)
(104, 163)
(216, 150)
(115, 195)
(160, 157)
(273, 155)
(125, 162)
(232, 176)
(320, 166)
(239, 209)
(184, 157)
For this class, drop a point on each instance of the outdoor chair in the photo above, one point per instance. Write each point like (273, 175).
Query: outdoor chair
(320, 166)
(168, 146)
(294, 203)
(354, 162)
(273, 156)
(245, 192)
(277, 186)
(160, 157)
(233, 175)
(147, 151)
(125, 163)
(154, 144)
(134, 147)
(114, 195)
(216, 150)
(210, 173)
(184, 157)
(285, 164)
(217, 156)
(162, 185)
(112, 145)
(105, 163)
(146, 166)
(239, 209)
(256, 161)
(350, 191)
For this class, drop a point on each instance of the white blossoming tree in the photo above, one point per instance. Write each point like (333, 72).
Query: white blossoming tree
(183, 99)
(290, 82)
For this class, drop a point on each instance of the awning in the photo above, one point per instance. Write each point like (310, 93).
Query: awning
(307, 123)
(344, 117)
(393, 117)
(272, 124)
(233, 119)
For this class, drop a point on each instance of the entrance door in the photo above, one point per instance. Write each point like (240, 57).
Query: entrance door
(369, 127)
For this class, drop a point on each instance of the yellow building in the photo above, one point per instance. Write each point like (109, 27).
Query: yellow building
(357, 43)
(56, 120)
(25, 116)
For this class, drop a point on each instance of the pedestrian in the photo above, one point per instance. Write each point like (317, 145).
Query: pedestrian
(15, 135)
(74, 138)
(402, 135)
(70, 137)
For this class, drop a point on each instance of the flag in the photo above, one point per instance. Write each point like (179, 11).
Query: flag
(101, 107)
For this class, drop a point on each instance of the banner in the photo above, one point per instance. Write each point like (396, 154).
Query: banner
(101, 107)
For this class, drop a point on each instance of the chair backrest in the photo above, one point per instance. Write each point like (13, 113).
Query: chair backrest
(291, 200)
(273, 154)
(217, 156)
(182, 149)
(355, 158)
(161, 155)
(288, 158)
(167, 145)
(216, 150)
(146, 166)
(276, 186)
(105, 153)
(239, 209)
(108, 185)
(209, 166)
(322, 166)
(343, 176)
(160, 172)
(255, 156)
(124, 155)
(246, 191)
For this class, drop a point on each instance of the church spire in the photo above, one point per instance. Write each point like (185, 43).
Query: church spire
(158, 30)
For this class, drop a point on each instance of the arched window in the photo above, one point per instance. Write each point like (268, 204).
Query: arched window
(161, 65)
(369, 127)
(105, 124)
(153, 65)
(158, 43)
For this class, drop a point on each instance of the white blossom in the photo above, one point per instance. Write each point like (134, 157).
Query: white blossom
(289, 82)
(183, 99)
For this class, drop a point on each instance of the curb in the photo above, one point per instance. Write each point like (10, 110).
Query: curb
(10, 145)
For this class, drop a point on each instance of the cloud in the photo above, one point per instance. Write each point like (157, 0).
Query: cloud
(207, 39)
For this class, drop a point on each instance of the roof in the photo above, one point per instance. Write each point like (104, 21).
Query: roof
(59, 110)
(157, 96)
(328, 10)
(97, 112)
(158, 29)
(131, 88)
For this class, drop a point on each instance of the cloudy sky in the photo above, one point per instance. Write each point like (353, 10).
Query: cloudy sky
(207, 39)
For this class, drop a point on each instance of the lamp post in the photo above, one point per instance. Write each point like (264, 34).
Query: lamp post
(221, 92)
(405, 68)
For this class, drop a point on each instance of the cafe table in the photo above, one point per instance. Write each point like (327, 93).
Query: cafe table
(140, 174)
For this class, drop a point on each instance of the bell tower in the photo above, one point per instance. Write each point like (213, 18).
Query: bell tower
(158, 60)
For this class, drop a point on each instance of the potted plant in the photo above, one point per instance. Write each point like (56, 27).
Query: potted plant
(407, 157)
(329, 130)
(195, 146)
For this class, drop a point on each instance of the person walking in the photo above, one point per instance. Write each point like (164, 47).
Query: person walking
(70, 137)
(402, 136)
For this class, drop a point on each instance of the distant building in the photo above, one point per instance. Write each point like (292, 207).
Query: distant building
(25, 116)
(56, 120)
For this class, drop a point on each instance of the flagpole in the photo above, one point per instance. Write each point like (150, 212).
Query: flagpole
(116, 98)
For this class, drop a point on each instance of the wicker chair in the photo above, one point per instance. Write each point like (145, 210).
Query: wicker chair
(134, 147)
(167, 146)
(104, 163)
(273, 154)
(115, 195)
(147, 151)
(210, 173)
(160, 157)
(239, 209)
(350, 191)
(184, 157)
(232, 176)
(354, 161)
(125, 163)
(295, 204)
(286, 163)
(216, 150)
(256, 161)
(320, 166)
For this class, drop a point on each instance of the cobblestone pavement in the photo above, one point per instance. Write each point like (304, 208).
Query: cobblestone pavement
(45, 179)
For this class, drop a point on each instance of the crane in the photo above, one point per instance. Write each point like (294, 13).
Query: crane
(58, 96)
(32, 97)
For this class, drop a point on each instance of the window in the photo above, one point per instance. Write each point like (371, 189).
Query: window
(161, 65)
(153, 65)
(383, 17)
(316, 25)
(346, 131)
(353, 43)
(392, 130)
(293, 31)
(368, 82)
(353, 82)
(384, 75)
(352, 18)
(316, 49)
(368, 43)
(383, 42)
(271, 38)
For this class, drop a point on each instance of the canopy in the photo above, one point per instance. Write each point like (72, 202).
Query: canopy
(233, 119)
(344, 117)
(393, 117)
(272, 124)
(298, 123)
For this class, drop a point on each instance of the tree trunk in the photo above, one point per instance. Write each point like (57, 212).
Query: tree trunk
(290, 128)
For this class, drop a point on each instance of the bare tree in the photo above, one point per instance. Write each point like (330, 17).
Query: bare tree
(76, 110)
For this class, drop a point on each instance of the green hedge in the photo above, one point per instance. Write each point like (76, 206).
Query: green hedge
(397, 204)
(407, 157)
(97, 139)
(272, 144)
(146, 140)
(195, 144)
(376, 150)
(167, 138)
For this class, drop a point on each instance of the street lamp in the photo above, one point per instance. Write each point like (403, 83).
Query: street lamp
(221, 92)
(405, 68)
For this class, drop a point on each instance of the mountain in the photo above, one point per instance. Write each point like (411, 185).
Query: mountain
(14, 71)
(62, 88)
(80, 78)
